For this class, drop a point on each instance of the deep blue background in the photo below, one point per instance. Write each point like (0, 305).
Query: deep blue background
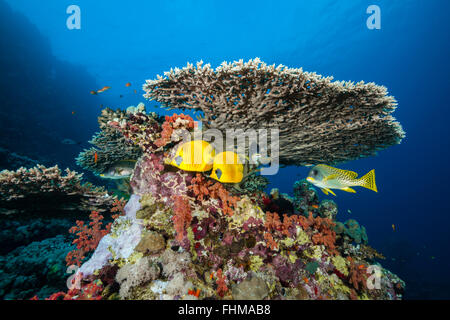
(136, 40)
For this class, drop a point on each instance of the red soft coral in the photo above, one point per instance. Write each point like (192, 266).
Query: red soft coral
(118, 206)
(88, 237)
(182, 216)
(177, 121)
(90, 291)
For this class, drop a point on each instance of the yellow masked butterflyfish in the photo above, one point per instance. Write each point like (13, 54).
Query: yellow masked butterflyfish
(195, 155)
(227, 168)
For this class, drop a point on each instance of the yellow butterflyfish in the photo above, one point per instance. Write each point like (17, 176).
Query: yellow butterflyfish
(195, 155)
(327, 178)
(227, 168)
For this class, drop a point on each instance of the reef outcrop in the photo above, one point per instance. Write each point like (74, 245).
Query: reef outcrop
(183, 235)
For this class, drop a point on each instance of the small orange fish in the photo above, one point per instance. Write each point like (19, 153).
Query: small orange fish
(94, 92)
(135, 91)
(194, 293)
(306, 280)
(95, 157)
(361, 266)
(104, 89)
(393, 227)
(315, 206)
(127, 84)
(73, 112)
(211, 275)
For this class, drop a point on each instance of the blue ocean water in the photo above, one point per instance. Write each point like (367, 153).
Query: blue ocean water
(48, 70)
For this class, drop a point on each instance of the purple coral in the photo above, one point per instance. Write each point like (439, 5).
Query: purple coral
(148, 177)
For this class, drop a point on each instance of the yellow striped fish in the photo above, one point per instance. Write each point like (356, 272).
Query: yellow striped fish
(327, 178)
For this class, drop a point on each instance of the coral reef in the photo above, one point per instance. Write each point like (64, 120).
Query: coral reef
(149, 177)
(15, 233)
(110, 146)
(183, 235)
(55, 193)
(320, 121)
(194, 249)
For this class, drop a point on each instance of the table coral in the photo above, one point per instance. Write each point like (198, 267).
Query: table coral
(335, 121)
(55, 193)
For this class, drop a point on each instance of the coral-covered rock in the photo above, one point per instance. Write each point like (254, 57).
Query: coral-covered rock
(328, 209)
(120, 243)
(254, 288)
(151, 242)
(149, 178)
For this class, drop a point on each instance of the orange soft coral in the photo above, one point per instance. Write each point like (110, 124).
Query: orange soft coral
(88, 237)
(177, 121)
(357, 275)
(89, 291)
(321, 231)
(182, 216)
(270, 241)
(221, 284)
(272, 221)
(204, 189)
